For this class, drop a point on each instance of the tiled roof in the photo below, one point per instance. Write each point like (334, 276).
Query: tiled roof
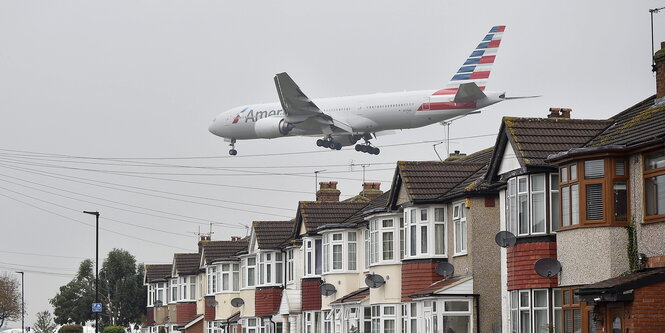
(476, 181)
(437, 286)
(356, 296)
(157, 272)
(536, 138)
(379, 202)
(640, 123)
(234, 318)
(318, 213)
(272, 234)
(186, 263)
(431, 180)
(625, 282)
(218, 250)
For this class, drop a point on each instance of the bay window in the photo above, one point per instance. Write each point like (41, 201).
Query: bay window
(594, 192)
(270, 268)
(229, 277)
(160, 292)
(339, 251)
(248, 271)
(459, 221)
(211, 274)
(313, 256)
(527, 203)
(188, 288)
(533, 310)
(424, 232)
(654, 187)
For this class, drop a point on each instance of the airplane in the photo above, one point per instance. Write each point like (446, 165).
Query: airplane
(343, 121)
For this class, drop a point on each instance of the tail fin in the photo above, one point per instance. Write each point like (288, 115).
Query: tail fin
(477, 67)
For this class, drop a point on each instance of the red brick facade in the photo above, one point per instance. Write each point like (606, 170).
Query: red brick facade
(645, 314)
(267, 300)
(150, 316)
(196, 328)
(185, 312)
(209, 313)
(311, 296)
(417, 275)
(521, 259)
(653, 262)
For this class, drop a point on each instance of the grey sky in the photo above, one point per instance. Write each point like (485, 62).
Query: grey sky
(137, 79)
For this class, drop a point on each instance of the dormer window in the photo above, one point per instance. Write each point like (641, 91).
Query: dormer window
(594, 192)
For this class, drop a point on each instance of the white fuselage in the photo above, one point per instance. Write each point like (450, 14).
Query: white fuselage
(363, 113)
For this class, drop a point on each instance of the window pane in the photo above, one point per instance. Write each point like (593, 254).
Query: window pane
(439, 214)
(554, 182)
(564, 174)
(456, 306)
(594, 169)
(540, 320)
(565, 206)
(423, 214)
(413, 216)
(620, 168)
(538, 205)
(337, 237)
(655, 195)
(337, 256)
(457, 324)
(594, 202)
(620, 201)
(523, 213)
(317, 247)
(577, 320)
(540, 298)
(573, 172)
(387, 223)
(521, 185)
(556, 211)
(575, 204)
(423, 239)
(412, 240)
(388, 248)
(525, 321)
(557, 297)
(439, 239)
(352, 236)
(352, 256)
(538, 182)
(655, 161)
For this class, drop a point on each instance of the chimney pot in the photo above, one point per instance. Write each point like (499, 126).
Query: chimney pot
(371, 190)
(235, 238)
(328, 192)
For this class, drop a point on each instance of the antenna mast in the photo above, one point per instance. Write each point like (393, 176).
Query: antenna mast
(653, 53)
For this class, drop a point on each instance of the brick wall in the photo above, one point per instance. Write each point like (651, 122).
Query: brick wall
(150, 316)
(185, 312)
(196, 328)
(521, 259)
(653, 262)
(660, 71)
(417, 275)
(267, 301)
(311, 296)
(209, 313)
(647, 311)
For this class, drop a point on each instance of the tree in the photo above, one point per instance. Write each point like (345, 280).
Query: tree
(121, 282)
(10, 299)
(44, 323)
(72, 303)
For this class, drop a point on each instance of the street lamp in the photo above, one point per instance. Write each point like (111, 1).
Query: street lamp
(22, 304)
(96, 266)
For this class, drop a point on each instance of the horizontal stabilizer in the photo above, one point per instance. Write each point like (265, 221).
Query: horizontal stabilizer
(521, 97)
(468, 92)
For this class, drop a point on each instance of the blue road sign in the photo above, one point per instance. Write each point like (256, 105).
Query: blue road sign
(96, 307)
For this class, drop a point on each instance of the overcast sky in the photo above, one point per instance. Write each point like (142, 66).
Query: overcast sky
(95, 95)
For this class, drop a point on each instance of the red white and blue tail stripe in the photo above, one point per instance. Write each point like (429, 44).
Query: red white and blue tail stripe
(477, 67)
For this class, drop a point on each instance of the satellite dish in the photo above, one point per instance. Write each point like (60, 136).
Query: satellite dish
(505, 239)
(445, 269)
(237, 302)
(212, 302)
(327, 289)
(547, 267)
(374, 280)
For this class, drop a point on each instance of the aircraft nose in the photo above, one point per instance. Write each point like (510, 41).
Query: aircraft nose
(215, 128)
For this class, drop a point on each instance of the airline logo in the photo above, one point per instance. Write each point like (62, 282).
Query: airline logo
(237, 118)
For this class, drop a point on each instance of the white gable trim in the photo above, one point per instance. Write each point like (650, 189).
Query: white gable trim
(509, 161)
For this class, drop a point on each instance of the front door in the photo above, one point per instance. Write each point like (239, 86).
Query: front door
(615, 318)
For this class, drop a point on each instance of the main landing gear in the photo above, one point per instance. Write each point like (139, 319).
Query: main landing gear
(329, 143)
(368, 148)
(233, 151)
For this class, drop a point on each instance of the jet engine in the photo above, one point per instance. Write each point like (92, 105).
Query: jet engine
(272, 127)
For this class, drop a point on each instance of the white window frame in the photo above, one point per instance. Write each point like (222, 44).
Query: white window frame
(460, 226)
(175, 290)
(290, 266)
(341, 239)
(163, 287)
(425, 236)
(186, 285)
(532, 203)
(151, 294)
(212, 285)
(271, 268)
(245, 268)
(517, 308)
(311, 255)
(555, 202)
(378, 230)
(229, 271)
(512, 208)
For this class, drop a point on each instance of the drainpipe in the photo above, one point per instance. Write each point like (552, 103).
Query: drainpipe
(477, 297)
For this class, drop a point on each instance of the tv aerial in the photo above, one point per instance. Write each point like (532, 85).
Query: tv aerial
(505, 239)
(445, 269)
(327, 289)
(237, 302)
(547, 267)
(374, 280)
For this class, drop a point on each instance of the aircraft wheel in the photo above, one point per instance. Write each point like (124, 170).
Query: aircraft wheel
(233, 152)
(319, 142)
(325, 143)
(376, 151)
(337, 146)
(359, 147)
(364, 148)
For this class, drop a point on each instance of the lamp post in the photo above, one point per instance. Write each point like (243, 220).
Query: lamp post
(22, 303)
(96, 266)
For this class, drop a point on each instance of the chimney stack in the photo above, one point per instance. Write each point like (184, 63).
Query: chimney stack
(328, 192)
(371, 190)
(235, 238)
(560, 113)
(456, 155)
(659, 59)
(203, 239)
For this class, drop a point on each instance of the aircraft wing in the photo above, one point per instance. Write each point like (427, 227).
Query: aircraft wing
(299, 108)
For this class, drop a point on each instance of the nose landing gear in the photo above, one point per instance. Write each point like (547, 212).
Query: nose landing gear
(233, 151)
(329, 143)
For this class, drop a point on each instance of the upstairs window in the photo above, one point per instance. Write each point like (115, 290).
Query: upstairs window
(248, 272)
(211, 274)
(160, 292)
(173, 285)
(595, 193)
(290, 266)
(654, 186)
(459, 220)
(188, 288)
(230, 277)
(383, 243)
(339, 251)
(270, 268)
(313, 257)
(527, 204)
(424, 232)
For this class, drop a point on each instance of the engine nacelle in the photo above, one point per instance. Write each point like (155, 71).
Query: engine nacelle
(272, 127)
(346, 140)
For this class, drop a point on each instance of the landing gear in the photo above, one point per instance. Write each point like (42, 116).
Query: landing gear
(329, 143)
(368, 148)
(233, 151)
